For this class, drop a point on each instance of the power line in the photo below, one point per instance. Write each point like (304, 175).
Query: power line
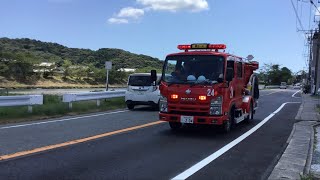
(314, 6)
(297, 15)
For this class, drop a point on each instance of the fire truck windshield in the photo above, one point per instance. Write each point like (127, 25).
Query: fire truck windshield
(193, 69)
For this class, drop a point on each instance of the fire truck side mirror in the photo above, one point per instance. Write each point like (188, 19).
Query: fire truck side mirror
(153, 75)
(230, 74)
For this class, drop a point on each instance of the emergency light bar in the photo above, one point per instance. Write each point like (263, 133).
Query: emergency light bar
(202, 46)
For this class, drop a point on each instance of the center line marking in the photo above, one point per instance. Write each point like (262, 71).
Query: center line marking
(195, 168)
(77, 141)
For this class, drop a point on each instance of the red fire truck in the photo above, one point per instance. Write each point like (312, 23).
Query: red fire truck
(205, 85)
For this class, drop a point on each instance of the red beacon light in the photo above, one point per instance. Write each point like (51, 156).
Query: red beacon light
(187, 47)
(184, 47)
(217, 46)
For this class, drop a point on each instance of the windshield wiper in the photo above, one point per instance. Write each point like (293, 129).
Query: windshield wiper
(202, 82)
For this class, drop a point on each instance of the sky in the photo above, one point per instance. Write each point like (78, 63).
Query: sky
(266, 29)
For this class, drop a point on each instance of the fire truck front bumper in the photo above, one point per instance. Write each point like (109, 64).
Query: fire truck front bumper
(215, 120)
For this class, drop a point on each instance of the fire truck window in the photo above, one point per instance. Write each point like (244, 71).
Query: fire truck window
(230, 64)
(239, 69)
(177, 69)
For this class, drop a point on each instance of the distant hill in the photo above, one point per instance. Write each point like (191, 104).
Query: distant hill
(53, 52)
(22, 65)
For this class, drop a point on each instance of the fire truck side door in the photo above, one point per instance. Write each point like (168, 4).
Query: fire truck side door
(239, 82)
(230, 65)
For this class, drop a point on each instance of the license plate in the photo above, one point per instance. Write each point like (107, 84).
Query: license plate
(186, 119)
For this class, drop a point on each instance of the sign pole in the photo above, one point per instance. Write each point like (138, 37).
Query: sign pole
(107, 81)
(108, 65)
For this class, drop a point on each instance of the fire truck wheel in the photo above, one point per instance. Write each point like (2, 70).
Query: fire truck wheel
(226, 126)
(175, 125)
(250, 116)
(130, 106)
(229, 124)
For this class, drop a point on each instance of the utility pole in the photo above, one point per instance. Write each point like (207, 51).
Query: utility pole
(317, 62)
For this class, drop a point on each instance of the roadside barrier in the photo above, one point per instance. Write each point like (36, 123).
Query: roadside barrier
(27, 100)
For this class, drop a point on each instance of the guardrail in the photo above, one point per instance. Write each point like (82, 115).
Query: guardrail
(72, 97)
(273, 87)
(262, 86)
(28, 100)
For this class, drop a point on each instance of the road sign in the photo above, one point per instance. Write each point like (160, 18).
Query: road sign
(250, 57)
(108, 65)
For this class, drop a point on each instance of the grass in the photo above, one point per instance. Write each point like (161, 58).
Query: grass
(54, 107)
(55, 82)
(315, 96)
(307, 177)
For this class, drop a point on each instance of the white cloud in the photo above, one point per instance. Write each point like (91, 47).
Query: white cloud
(175, 5)
(118, 21)
(130, 12)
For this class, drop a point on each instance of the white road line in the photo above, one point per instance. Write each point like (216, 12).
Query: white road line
(293, 95)
(271, 93)
(187, 173)
(61, 120)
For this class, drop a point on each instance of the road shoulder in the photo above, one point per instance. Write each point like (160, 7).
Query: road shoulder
(295, 161)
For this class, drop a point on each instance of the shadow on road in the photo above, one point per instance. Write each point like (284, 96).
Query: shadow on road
(140, 108)
(210, 132)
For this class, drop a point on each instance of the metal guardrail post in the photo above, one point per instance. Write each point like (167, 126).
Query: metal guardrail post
(29, 109)
(70, 105)
(98, 103)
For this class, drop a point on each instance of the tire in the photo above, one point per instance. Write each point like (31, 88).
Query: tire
(250, 116)
(130, 106)
(226, 127)
(175, 125)
(229, 124)
(157, 107)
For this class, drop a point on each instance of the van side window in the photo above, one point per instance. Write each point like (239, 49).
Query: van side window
(239, 69)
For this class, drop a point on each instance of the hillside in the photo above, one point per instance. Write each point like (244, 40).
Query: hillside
(21, 59)
(53, 52)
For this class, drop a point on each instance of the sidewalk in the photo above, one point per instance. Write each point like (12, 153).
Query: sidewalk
(296, 159)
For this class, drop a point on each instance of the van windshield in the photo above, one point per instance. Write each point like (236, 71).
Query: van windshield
(140, 81)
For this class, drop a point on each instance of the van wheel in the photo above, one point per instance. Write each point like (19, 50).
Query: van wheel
(130, 106)
(175, 125)
(156, 106)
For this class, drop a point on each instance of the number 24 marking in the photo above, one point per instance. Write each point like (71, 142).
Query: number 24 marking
(210, 92)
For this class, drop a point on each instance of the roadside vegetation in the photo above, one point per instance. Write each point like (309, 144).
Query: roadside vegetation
(274, 74)
(54, 107)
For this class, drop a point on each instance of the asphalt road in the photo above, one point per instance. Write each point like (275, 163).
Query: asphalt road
(152, 152)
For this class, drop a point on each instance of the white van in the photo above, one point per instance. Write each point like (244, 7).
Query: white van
(141, 90)
(283, 85)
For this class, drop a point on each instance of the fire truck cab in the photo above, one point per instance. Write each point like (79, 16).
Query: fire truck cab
(205, 85)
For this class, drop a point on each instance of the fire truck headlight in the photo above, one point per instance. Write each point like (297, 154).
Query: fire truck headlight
(163, 104)
(216, 106)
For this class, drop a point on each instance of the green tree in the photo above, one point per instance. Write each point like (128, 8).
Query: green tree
(66, 66)
(271, 74)
(4, 69)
